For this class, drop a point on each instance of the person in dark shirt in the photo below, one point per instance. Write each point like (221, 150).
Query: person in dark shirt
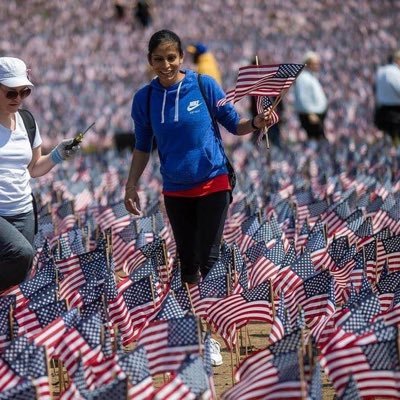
(387, 98)
(143, 13)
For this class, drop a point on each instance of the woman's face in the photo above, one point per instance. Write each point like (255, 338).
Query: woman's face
(166, 62)
(11, 98)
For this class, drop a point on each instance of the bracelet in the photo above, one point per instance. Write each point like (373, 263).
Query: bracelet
(253, 125)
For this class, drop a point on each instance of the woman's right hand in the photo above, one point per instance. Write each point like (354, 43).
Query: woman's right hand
(132, 200)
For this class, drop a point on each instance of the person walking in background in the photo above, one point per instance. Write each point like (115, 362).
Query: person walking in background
(20, 159)
(205, 61)
(143, 12)
(387, 98)
(311, 103)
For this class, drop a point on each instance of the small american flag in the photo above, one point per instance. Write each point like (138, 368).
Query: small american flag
(235, 311)
(23, 390)
(267, 266)
(168, 342)
(351, 391)
(64, 217)
(6, 330)
(31, 321)
(28, 360)
(135, 366)
(264, 104)
(190, 382)
(262, 80)
(272, 373)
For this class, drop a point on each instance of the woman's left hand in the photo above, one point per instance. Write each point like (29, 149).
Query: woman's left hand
(262, 120)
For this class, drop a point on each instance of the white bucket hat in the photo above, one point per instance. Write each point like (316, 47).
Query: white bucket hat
(13, 72)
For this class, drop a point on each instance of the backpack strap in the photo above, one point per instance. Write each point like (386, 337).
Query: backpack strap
(231, 171)
(203, 93)
(150, 89)
(30, 125)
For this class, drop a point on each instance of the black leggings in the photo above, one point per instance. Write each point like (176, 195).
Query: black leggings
(198, 225)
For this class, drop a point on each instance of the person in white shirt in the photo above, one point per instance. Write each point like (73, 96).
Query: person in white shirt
(387, 97)
(311, 103)
(19, 161)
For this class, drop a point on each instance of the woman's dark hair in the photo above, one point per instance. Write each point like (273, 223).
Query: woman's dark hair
(164, 36)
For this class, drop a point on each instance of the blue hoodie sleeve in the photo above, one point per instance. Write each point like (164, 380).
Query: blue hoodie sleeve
(226, 115)
(141, 119)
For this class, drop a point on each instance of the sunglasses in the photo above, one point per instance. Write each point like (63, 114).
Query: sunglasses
(12, 94)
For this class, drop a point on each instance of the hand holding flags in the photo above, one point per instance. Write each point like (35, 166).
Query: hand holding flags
(264, 104)
(264, 81)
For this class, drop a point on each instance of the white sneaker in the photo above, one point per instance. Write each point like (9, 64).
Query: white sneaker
(215, 353)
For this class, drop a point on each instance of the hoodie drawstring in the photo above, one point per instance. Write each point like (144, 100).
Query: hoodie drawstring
(163, 106)
(176, 117)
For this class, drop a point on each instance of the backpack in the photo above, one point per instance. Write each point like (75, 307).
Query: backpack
(30, 126)
(231, 171)
(29, 123)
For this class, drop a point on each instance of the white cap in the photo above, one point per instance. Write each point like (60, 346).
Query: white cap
(13, 72)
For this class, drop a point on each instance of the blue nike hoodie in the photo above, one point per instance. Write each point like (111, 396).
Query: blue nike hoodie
(189, 148)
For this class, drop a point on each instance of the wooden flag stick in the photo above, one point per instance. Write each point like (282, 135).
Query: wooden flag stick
(228, 280)
(398, 341)
(128, 386)
(115, 345)
(190, 297)
(152, 291)
(87, 241)
(49, 374)
(271, 289)
(325, 234)
(57, 283)
(237, 348)
(301, 369)
(232, 368)
(199, 336)
(11, 321)
(166, 259)
(310, 353)
(259, 216)
(264, 130)
(61, 375)
(102, 335)
(235, 272)
(248, 338)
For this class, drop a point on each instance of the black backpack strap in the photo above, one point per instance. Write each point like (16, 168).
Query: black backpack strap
(148, 103)
(149, 91)
(203, 93)
(30, 125)
(231, 171)
(35, 213)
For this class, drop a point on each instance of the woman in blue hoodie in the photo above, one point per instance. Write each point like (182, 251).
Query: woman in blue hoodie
(196, 187)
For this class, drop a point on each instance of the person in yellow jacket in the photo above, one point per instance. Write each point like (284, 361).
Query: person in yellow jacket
(205, 61)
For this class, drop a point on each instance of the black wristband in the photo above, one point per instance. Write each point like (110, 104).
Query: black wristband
(253, 124)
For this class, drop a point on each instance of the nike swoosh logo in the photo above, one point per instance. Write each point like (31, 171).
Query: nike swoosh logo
(191, 107)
